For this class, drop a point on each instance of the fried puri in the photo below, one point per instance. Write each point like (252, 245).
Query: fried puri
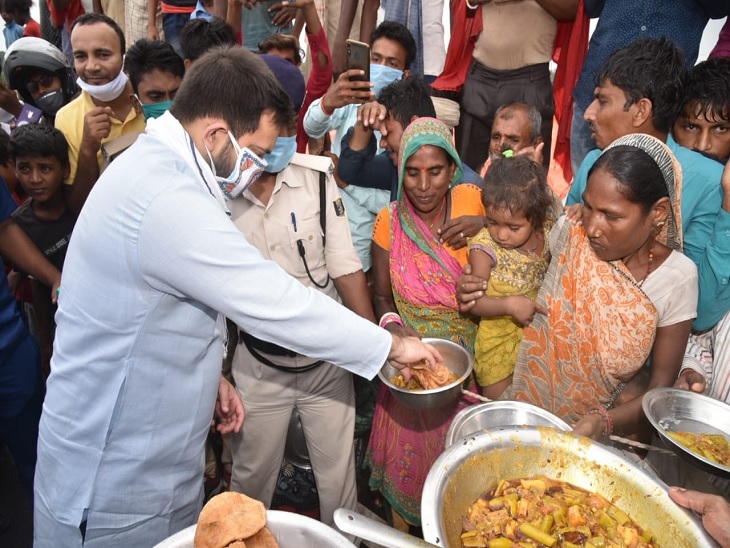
(229, 518)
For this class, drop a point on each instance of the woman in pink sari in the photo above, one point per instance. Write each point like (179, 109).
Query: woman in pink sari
(414, 284)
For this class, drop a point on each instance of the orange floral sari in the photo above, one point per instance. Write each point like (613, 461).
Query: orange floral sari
(598, 332)
(600, 326)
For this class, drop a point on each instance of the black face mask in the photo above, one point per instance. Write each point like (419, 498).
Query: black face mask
(51, 102)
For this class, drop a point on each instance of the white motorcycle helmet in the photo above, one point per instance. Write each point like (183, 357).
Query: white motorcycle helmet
(31, 53)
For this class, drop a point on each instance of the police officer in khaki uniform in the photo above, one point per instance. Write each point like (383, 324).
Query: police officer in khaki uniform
(294, 215)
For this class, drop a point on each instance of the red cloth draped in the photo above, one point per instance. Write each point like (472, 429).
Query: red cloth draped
(465, 30)
(569, 52)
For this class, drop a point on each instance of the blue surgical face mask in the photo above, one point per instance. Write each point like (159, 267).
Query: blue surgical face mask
(247, 169)
(154, 110)
(382, 76)
(281, 155)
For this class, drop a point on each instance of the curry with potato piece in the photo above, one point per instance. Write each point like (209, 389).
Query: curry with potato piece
(540, 511)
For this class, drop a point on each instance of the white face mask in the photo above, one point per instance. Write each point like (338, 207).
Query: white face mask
(106, 92)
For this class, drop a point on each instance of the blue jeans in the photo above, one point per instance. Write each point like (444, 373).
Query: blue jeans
(581, 142)
(172, 24)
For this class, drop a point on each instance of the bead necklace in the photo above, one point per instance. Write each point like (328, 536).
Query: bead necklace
(648, 265)
(443, 204)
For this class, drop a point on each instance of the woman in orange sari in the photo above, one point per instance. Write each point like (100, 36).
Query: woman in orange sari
(619, 294)
(414, 285)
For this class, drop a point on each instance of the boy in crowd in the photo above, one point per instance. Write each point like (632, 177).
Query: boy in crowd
(156, 72)
(703, 124)
(12, 31)
(41, 165)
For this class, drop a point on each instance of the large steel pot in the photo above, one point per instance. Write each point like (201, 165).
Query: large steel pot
(291, 531)
(457, 358)
(474, 464)
(498, 414)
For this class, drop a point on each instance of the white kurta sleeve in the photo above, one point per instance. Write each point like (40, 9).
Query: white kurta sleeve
(189, 248)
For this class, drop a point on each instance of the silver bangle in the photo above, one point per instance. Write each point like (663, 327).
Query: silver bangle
(468, 5)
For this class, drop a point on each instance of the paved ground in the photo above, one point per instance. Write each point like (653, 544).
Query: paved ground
(15, 506)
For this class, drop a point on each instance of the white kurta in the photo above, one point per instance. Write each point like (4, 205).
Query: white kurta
(153, 261)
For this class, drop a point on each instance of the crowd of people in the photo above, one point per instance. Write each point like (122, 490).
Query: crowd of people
(195, 232)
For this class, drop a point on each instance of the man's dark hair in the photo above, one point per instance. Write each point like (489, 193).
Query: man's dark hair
(147, 55)
(5, 155)
(282, 42)
(39, 141)
(398, 33)
(649, 68)
(707, 90)
(94, 18)
(203, 94)
(198, 36)
(407, 98)
(21, 7)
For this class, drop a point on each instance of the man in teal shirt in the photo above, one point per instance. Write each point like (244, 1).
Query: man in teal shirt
(639, 90)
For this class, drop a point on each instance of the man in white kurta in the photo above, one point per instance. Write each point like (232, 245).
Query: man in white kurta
(153, 264)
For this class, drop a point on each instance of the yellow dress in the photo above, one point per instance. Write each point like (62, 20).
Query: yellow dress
(514, 273)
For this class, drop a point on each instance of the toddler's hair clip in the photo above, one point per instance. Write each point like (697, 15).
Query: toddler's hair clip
(508, 153)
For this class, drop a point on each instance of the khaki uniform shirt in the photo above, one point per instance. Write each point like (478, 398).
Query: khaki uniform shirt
(292, 214)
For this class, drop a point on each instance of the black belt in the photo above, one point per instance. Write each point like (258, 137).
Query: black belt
(255, 345)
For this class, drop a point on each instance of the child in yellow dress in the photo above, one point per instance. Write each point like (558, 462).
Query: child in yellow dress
(512, 255)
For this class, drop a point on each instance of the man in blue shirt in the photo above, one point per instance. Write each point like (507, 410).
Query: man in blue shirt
(639, 91)
(621, 23)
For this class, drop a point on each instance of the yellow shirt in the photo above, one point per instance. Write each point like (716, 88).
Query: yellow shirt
(70, 120)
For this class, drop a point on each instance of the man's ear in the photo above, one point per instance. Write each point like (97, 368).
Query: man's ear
(643, 112)
(135, 103)
(187, 63)
(212, 134)
(537, 140)
(406, 74)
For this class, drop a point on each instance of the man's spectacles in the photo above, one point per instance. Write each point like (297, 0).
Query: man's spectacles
(44, 81)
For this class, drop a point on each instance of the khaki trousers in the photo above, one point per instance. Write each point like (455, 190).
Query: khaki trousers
(325, 399)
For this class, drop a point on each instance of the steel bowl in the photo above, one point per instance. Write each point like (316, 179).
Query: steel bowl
(674, 410)
(291, 531)
(496, 414)
(457, 358)
(474, 465)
